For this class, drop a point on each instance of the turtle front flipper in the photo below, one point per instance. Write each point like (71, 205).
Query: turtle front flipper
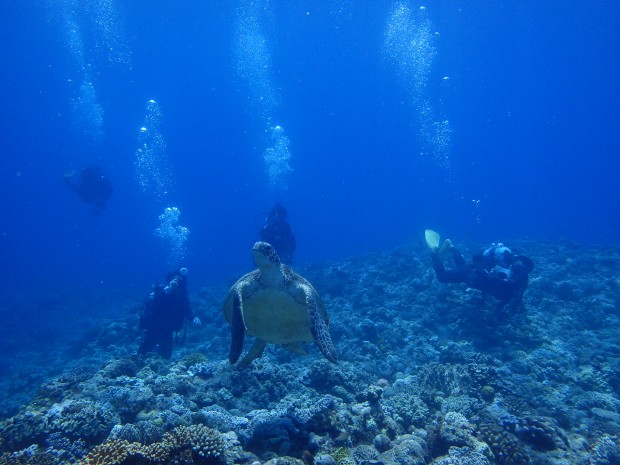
(319, 329)
(237, 330)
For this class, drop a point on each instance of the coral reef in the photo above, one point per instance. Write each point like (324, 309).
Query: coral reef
(429, 375)
(194, 444)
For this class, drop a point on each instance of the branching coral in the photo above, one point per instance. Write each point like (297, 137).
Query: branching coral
(185, 445)
(204, 444)
(113, 452)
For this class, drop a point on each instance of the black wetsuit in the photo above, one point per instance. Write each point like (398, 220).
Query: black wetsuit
(92, 186)
(505, 284)
(162, 315)
(278, 232)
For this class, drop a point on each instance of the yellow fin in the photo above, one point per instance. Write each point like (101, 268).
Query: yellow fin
(432, 239)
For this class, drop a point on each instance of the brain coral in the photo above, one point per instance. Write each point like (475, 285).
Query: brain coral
(505, 446)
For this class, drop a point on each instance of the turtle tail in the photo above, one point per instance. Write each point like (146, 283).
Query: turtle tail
(320, 331)
(237, 330)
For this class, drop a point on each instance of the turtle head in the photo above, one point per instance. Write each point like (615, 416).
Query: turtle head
(265, 256)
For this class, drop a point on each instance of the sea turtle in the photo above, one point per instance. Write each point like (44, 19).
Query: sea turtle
(275, 304)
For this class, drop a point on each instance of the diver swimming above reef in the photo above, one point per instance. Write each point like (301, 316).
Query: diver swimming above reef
(164, 312)
(278, 232)
(494, 270)
(91, 185)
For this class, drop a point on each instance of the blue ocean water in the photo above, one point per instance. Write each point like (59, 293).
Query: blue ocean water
(483, 120)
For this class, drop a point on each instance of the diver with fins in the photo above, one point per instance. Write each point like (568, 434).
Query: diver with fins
(495, 270)
(91, 185)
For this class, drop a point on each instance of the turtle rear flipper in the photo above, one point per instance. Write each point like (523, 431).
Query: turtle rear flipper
(237, 329)
(255, 352)
(319, 330)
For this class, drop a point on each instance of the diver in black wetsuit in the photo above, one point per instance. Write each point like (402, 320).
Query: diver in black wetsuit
(278, 232)
(91, 185)
(163, 314)
(496, 271)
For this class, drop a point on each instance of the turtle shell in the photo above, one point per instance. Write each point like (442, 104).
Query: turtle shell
(275, 311)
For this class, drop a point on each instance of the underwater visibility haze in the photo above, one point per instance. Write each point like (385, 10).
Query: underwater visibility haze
(138, 138)
(369, 121)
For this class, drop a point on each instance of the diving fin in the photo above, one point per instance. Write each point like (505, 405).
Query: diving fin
(432, 239)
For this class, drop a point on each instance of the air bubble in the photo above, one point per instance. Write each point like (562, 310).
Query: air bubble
(152, 168)
(409, 47)
(174, 234)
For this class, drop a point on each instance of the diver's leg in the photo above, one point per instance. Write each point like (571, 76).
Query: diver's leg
(148, 342)
(165, 344)
(459, 261)
(446, 276)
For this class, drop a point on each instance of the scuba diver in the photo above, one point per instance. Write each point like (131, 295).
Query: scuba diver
(163, 314)
(91, 185)
(278, 232)
(494, 270)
